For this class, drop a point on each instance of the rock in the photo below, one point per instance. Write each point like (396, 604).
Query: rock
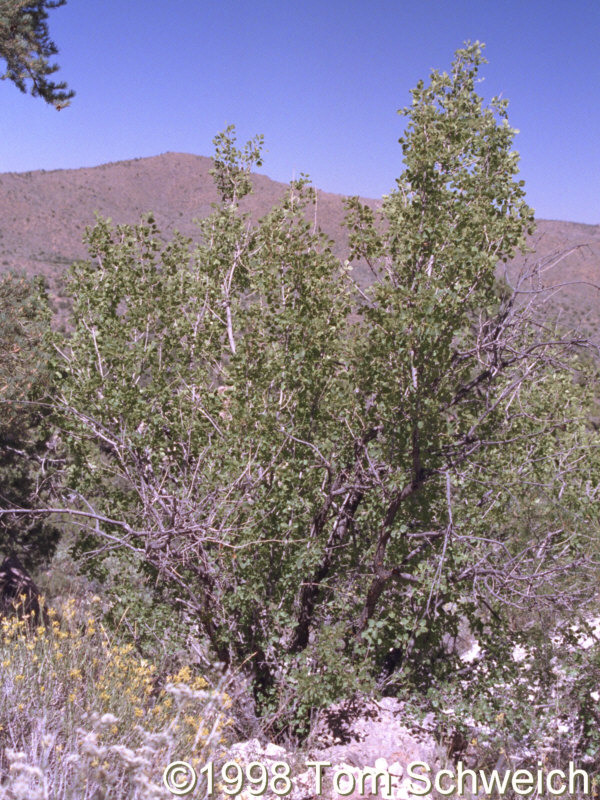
(274, 752)
(371, 730)
(377, 739)
(396, 769)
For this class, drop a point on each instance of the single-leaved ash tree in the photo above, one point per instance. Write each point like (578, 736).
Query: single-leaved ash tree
(328, 478)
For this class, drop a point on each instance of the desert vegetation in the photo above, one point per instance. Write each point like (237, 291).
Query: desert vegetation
(85, 717)
(320, 484)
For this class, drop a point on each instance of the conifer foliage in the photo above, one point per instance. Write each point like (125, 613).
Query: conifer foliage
(26, 46)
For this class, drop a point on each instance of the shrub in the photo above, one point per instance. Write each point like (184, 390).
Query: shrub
(322, 475)
(82, 717)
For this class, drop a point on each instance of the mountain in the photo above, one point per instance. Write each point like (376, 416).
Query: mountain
(43, 216)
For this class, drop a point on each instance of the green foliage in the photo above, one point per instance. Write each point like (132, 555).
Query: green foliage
(327, 477)
(26, 46)
(24, 320)
(27, 457)
(232, 167)
(542, 699)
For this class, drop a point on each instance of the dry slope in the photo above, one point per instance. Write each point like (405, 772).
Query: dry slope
(43, 216)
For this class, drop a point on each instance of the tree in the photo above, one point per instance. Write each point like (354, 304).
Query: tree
(26, 46)
(329, 479)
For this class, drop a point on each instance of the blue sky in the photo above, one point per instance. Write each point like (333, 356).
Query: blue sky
(321, 80)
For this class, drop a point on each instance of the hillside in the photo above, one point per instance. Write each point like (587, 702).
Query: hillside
(43, 216)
